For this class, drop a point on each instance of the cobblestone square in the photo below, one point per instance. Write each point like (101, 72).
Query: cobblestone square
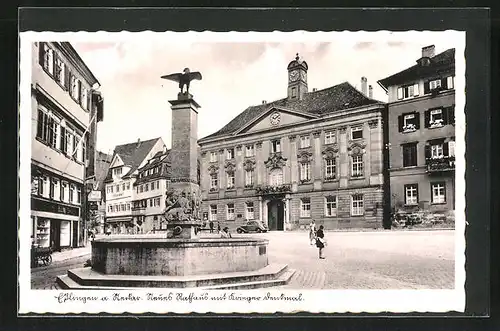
(368, 260)
(354, 260)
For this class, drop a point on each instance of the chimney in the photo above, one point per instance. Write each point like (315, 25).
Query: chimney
(314, 89)
(264, 102)
(370, 92)
(363, 85)
(428, 51)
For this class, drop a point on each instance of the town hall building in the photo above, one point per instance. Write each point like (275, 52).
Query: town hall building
(310, 156)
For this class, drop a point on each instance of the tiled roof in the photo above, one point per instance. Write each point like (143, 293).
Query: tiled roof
(133, 154)
(442, 62)
(322, 102)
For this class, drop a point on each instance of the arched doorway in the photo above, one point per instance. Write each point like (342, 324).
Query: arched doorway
(276, 214)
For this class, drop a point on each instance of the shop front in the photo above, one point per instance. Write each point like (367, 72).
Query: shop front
(120, 225)
(54, 225)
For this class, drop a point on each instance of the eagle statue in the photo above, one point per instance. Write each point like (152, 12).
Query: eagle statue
(183, 78)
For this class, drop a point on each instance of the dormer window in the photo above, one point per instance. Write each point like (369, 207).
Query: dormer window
(408, 91)
(117, 171)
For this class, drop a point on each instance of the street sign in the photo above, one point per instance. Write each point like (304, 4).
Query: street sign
(95, 196)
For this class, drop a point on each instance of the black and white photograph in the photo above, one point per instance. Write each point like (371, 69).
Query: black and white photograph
(242, 172)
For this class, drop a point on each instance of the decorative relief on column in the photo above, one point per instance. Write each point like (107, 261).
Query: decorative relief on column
(373, 124)
(221, 151)
(230, 165)
(356, 148)
(203, 154)
(249, 164)
(343, 129)
(316, 134)
(258, 144)
(213, 169)
(330, 150)
(238, 148)
(292, 138)
(351, 145)
(304, 157)
(276, 160)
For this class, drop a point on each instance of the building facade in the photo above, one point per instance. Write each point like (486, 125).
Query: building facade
(310, 156)
(119, 183)
(422, 133)
(62, 98)
(152, 182)
(97, 197)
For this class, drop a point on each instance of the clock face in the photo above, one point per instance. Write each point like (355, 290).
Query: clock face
(275, 118)
(294, 75)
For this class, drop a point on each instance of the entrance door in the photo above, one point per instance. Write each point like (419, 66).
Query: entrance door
(74, 233)
(275, 215)
(55, 235)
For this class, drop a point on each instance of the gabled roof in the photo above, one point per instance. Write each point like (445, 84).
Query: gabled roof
(442, 62)
(133, 154)
(159, 157)
(320, 103)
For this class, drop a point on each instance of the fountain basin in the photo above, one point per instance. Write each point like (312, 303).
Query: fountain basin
(178, 257)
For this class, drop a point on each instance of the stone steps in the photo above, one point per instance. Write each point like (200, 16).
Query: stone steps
(280, 281)
(86, 278)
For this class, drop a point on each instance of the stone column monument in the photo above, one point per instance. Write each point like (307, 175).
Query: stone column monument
(183, 197)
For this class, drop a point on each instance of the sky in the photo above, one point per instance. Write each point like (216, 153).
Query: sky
(236, 75)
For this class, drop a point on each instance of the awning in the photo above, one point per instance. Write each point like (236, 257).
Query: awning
(118, 219)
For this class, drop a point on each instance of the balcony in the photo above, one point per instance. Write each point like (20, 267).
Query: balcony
(270, 190)
(138, 210)
(442, 164)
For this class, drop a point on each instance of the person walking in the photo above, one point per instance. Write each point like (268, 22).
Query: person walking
(218, 227)
(225, 233)
(320, 241)
(312, 232)
(211, 224)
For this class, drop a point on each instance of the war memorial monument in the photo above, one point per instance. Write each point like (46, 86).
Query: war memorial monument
(183, 258)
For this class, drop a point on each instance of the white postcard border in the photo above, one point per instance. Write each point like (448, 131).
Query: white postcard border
(328, 301)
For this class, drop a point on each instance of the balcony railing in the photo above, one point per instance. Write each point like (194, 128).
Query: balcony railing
(138, 210)
(269, 190)
(446, 163)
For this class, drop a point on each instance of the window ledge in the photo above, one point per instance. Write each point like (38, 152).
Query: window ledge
(329, 180)
(356, 177)
(438, 203)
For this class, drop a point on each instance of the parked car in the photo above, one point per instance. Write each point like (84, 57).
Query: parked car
(252, 226)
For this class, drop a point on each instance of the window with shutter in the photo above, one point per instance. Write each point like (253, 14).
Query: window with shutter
(444, 83)
(450, 82)
(40, 124)
(427, 151)
(451, 148)
(427, 88)
(427, 118)
(400, 93)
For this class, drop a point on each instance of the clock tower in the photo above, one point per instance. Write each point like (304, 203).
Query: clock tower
(297, 79)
